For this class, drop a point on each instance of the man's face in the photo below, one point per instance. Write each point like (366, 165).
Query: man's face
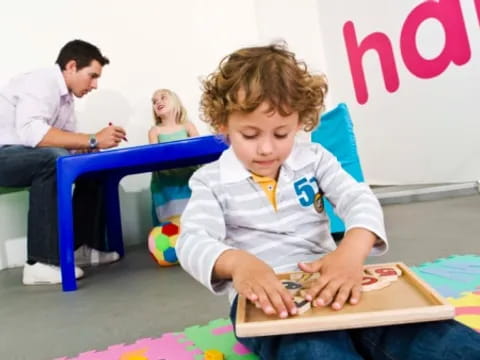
(262, 140)
(81, 82)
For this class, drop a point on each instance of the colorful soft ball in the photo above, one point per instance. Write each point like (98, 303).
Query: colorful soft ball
(161, 243)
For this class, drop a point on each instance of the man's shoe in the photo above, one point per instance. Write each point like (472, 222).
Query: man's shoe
(86, 256)
(40, 273)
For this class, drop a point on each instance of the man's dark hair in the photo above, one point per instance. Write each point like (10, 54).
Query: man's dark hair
(82, 52)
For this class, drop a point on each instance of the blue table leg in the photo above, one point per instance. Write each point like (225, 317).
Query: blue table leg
(112, 207)
(65, 233)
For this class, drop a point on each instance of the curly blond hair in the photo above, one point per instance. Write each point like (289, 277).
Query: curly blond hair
(251, 76)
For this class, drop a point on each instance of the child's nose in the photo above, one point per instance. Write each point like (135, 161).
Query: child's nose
(265, 147)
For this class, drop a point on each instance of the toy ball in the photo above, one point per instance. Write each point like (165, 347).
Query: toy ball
(161, 243)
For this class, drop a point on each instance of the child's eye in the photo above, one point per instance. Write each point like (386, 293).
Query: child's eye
(281, 136)
(248, 136)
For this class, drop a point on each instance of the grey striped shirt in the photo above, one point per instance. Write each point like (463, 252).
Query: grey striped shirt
(229, 210)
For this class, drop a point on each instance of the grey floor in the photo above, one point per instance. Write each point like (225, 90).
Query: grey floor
(134, 298)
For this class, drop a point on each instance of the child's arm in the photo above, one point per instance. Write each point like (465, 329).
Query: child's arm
(191, 129)
(153, 135)
(205, 254)
(341, 270)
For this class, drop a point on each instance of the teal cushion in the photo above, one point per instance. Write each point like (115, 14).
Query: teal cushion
(335, 133)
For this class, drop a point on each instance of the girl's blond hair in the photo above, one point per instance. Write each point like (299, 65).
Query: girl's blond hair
(180, 111)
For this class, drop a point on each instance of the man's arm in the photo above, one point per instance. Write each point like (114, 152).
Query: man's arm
(108, 137)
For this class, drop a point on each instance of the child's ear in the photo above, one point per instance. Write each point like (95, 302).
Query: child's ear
(222, 129)
(300, 126)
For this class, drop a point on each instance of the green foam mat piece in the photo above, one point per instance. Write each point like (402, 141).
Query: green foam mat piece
(218, 334)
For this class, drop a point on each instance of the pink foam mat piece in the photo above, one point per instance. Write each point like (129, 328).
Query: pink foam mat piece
(168, 347)
(222, 330)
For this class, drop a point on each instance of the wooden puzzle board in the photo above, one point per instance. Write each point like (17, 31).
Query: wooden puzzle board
(407, 300)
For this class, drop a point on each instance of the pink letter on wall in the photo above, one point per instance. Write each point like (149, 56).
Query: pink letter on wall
(456, 49)
(477, 6)
(377, 41)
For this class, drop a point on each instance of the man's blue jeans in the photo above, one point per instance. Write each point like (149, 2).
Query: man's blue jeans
(437, 340)
(22, 166)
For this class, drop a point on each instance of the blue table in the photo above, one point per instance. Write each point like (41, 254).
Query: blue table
(111, 166)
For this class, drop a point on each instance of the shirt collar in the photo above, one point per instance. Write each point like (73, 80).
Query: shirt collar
(232, 170)
(64, 93)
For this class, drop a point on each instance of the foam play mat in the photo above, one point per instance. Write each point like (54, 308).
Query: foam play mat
(457, 278)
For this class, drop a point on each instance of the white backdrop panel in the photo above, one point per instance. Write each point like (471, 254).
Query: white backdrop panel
(426, 130)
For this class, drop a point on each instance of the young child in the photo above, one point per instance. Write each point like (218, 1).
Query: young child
(258, 210)
(169, 188)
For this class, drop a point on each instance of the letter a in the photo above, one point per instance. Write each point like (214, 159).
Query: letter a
(456, 48)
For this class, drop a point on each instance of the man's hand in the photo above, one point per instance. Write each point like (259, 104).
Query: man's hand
(110, 136)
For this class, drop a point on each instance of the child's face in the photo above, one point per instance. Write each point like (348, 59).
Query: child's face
(162, 103)
(262, 140)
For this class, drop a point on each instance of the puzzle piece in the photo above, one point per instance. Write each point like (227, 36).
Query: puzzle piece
(305, 279)
(370, 283)
(302, 304)
(293, 287)
(389, 273)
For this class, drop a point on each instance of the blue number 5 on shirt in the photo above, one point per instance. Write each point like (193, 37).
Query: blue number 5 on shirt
(306, 190)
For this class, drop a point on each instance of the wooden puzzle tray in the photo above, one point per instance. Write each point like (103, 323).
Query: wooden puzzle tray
(406, 300)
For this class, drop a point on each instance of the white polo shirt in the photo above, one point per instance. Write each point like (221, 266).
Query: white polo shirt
(33, 102)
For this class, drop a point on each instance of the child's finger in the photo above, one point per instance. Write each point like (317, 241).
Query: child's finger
(289, 303)
(278, 303)
(327, 294)
(315, 288)
(356, 294)
(342, 296)
(311, 267)
(249, 294)
(264, 301)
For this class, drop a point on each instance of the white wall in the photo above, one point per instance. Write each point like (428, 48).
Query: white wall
(13, 228)
(151, 44)
(427, 130)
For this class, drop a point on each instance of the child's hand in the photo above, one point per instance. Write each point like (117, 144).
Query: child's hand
(255, 280)
(340, 279)
(341, 271)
